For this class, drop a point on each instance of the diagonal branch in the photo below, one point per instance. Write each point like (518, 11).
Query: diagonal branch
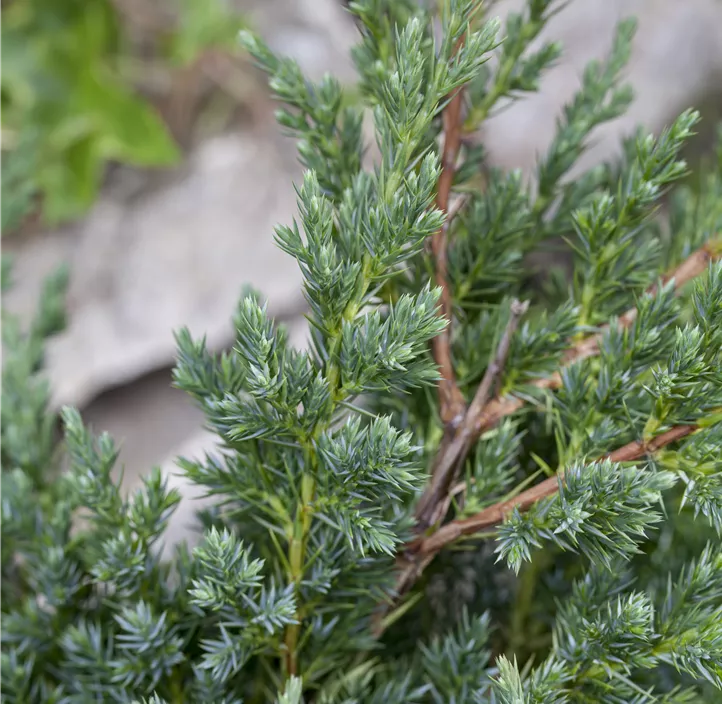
(434, 502)
(422, 551)
(453, 450)
(493, 515)
(493, 371)
(692, 267)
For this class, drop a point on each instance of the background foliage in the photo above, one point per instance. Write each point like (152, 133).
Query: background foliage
(69, 103)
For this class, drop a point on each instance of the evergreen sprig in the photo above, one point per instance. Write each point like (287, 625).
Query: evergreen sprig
(575, 421)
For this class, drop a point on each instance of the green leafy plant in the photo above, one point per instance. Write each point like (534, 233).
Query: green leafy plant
(542, 527)
(68, 106)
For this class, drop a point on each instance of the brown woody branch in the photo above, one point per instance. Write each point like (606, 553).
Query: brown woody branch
(451, 400)
(454, 449)
(692, 267)
(422, 551)
(493, 515)
(434, 502)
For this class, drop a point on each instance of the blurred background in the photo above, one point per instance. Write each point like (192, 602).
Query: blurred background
(140, 149)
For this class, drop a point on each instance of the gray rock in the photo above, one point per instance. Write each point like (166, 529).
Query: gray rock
(178, 256)
(676, 61)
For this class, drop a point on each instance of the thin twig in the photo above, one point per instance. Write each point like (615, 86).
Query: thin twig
(494, 370)
(434, 502)
(493, 515)
(422, 551)
(456, 207)
(451, 400)
(692, 267)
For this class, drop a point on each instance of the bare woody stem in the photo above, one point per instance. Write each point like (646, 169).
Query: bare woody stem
(692, 267)
(497, 513)
(483, 413)
(452, 405)
(422, 551)
(451, 400)
(434, 502)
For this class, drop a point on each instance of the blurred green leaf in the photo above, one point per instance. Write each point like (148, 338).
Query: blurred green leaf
(18, 185)
(126, 127)
(66, 110)
(70, 183)
(203, 24)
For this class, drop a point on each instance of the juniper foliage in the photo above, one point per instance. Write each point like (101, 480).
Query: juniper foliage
(313, 579)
